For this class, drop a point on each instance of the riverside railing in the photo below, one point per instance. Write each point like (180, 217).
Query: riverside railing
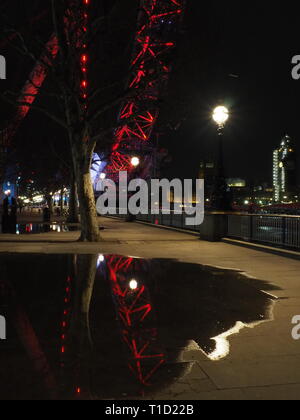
(169, 220)
(275, 230)
(278, 230)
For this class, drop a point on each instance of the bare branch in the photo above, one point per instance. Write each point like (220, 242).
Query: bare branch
(17, 104)
(96, 92)
(111, 104)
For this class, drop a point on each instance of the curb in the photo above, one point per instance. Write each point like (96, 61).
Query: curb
(263, 248)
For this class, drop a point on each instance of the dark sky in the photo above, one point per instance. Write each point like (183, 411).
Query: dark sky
(256, 41)
(253, 40)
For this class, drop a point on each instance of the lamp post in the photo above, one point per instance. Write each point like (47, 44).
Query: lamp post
(219, 199)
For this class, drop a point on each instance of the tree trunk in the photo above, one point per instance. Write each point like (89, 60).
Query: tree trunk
(49, 200)
(85, 268)
(80, 355)
(88, 214)
(73, 206)
(62, 201)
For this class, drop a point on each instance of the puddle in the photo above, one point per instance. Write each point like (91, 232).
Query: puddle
(25, 229)
(99, 327)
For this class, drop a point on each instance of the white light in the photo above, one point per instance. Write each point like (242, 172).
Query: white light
(221, 115)
(38, 199)
(133, 284)
(101, 260)
(102, 176)
(7, 192)
(135, 161)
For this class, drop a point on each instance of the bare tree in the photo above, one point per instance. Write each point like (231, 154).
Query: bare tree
(64, 59)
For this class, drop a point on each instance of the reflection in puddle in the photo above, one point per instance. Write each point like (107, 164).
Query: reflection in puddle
(95, 326)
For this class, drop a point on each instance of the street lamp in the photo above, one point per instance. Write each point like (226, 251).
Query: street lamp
(135, 161)
(219, 199)
(221, 116)
(133, 285)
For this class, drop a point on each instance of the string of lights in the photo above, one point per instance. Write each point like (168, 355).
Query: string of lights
(84, 54)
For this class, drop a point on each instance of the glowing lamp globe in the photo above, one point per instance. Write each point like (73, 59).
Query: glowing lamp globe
(133, 285)
(135, 161)
(221, 115)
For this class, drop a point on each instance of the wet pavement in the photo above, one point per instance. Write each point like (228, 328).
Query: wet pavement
(116, 327)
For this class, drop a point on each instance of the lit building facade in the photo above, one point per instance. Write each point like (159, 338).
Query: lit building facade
(285, 171)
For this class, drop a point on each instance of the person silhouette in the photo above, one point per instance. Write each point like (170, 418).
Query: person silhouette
(9, 218)
(46, 219)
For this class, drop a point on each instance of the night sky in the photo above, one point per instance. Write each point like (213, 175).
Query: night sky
(252, 41)
(256, 42)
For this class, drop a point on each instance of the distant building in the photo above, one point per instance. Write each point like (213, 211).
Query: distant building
(261, 195)
(236, 183)
(238, 189)
(285, 171)
(276, 176)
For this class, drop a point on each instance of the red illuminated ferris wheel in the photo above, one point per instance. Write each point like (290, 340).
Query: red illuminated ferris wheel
(155, 40)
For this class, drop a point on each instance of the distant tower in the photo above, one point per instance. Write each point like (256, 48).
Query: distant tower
(276, 176)
(284, 171)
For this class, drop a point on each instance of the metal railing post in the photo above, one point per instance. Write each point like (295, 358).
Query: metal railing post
(284, 225)
(251, 228)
